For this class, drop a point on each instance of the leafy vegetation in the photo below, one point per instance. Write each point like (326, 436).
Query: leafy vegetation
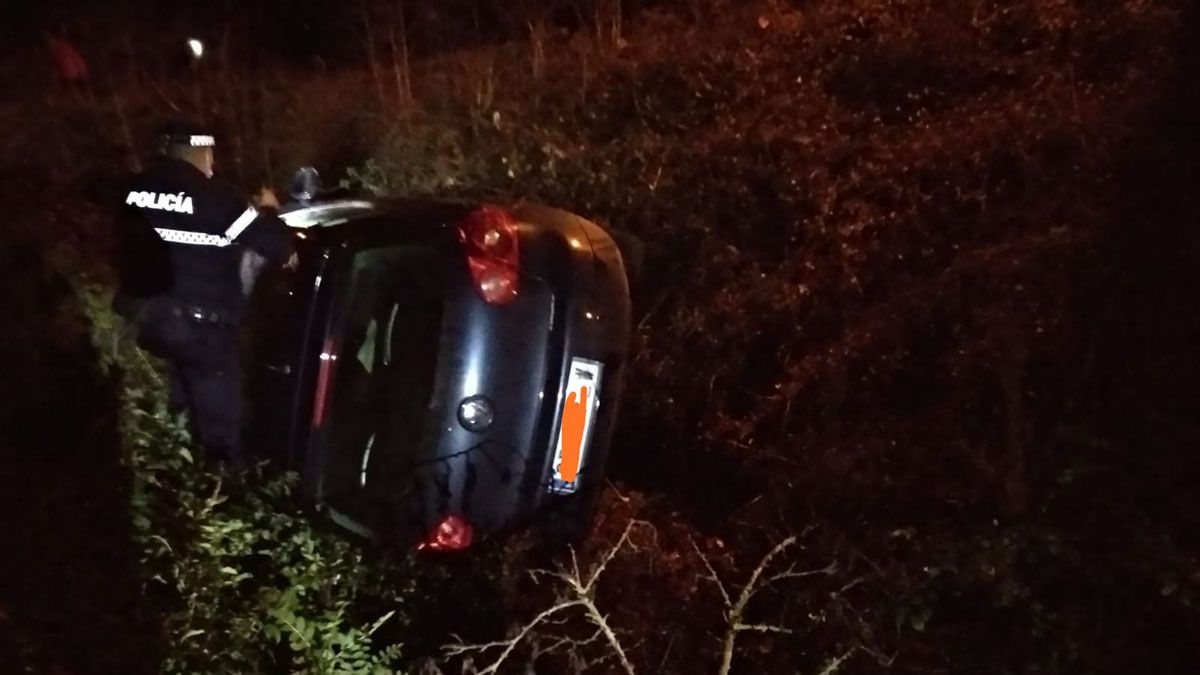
(242, 582)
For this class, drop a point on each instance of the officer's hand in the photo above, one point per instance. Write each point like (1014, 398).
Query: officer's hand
(292, 262)
(266, 199)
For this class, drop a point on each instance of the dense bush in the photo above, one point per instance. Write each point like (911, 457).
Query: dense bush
(877, 232)
(241, 582)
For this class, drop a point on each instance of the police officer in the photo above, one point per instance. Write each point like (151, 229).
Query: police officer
(181, 238)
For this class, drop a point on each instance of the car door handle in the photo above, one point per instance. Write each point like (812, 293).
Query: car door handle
(282, 370)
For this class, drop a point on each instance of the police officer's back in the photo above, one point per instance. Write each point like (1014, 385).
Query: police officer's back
(180, 240)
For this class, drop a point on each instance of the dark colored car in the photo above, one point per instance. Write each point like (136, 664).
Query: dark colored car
(437, 371)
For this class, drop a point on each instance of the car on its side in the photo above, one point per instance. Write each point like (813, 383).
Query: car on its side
(438, 371)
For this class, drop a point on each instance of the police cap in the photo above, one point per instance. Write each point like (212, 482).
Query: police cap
(186, 134)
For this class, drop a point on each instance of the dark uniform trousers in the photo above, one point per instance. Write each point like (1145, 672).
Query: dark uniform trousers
(201, 351)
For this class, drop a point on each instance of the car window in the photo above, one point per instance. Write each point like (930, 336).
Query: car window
(390, 331)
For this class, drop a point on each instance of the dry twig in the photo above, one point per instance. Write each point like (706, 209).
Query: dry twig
(581, 594)
(735, 610)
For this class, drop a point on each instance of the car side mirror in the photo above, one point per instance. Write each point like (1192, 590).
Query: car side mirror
(306, 185)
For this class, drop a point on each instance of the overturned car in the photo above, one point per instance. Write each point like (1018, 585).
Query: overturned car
(436, 371)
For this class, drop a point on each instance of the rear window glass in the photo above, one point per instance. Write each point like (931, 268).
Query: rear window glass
(386, 365)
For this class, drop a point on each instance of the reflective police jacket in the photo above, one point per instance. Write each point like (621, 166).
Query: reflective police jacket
(181, 236)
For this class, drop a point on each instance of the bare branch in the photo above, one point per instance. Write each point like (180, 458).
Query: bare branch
(612, 553)
(836, 664)
(507, 645)
(759, 628)
(759, 580)
(575, 563)
(712, 575)
(580, 596)
(752, 585)
(851, 584)
(791, 573)
(601, 622)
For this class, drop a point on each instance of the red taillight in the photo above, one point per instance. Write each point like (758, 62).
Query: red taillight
(489, 238)
(453, 533)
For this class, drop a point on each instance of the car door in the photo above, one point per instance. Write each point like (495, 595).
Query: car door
(278, 333)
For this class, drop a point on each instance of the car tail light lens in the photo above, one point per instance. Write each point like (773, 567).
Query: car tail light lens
(489, 238)
(453, 533)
